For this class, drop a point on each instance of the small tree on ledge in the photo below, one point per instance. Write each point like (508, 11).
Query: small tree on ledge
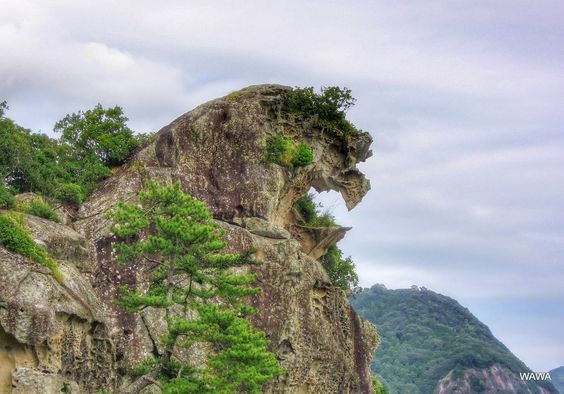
(178, 240)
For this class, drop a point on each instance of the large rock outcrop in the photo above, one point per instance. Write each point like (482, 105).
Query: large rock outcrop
(217, 153)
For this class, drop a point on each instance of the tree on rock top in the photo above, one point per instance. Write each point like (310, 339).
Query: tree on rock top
(98, 133)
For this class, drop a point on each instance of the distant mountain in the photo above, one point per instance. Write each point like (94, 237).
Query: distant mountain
(432, 344)
(557, 376)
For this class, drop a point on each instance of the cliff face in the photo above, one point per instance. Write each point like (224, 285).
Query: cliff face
(217, 154)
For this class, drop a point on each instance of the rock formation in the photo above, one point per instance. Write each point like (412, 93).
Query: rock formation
(217, 153)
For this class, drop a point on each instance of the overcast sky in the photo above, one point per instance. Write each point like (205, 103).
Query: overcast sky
(464, 99)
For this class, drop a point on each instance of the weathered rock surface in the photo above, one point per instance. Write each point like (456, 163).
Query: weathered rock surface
(318, 337)
(217, 154)
(52, 335)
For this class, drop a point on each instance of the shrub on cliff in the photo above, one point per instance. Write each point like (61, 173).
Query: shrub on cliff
(303, 156)
(330, 106)
(306, 208)
(15, 238)
(310, 215)
(286, 152)
(71, 193)
(341, 271)
(38, 207)
(182, 247)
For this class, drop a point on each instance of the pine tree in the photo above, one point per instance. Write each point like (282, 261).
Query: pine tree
(182, 247)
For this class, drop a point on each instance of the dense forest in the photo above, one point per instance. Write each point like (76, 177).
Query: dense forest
(65, 169)
(426, 335)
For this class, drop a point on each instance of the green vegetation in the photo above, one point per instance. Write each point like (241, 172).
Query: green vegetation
(329, 107)
(341, 271)
(303, 156)
(176, 236)
(426, 335)
(310, 215)
(37, 207)
(3, 108)
(324, 219)
(7, 199)
(98, 135)
(286, 152)
(377, 386)
(15, 238)
(71, 193)
(306, 208)
(69, 168)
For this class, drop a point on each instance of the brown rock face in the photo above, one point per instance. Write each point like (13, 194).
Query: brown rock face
(217, 153)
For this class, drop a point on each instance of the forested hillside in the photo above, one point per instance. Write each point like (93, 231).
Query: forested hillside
(426, 335)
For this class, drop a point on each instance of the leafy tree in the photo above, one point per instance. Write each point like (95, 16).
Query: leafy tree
(15, 155)
(98, 133)
(341, 270)
(30, 162)
(330, 106)
(177, 238)
(67, 169)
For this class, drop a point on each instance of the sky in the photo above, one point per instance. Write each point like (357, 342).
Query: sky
(464, 100)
